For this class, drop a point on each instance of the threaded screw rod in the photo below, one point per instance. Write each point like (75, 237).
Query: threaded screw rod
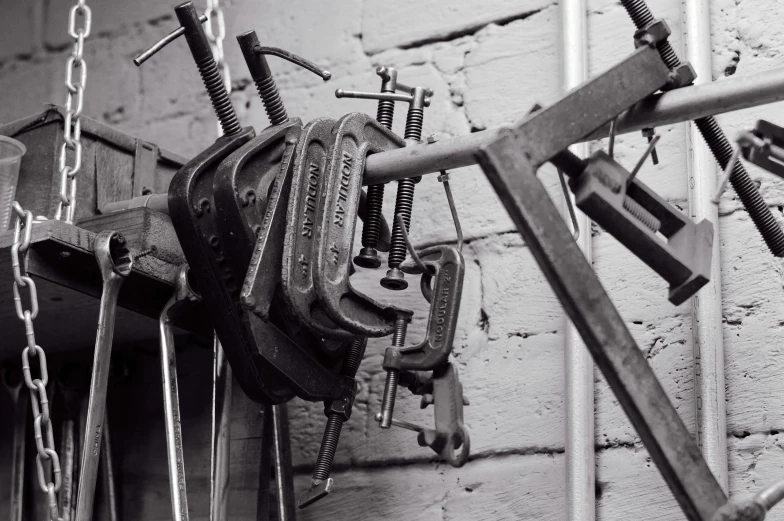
(371, 229)
(205, 62)
(190, 27)
(719, 146)
(320, 481)
(393, 375)
(404, 202)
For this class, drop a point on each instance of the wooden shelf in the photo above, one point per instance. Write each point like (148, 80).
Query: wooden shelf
(69, 283)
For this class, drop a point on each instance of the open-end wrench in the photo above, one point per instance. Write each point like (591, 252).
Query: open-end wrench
(221, 423)
(184, 296)
(12, 381)
(114, 261)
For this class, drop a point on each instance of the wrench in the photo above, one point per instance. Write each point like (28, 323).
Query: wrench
(115, 262)
(107, 469)
(183, 297)
(221, 422)
(20, 398)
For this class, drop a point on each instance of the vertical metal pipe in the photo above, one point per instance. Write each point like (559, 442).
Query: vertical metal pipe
(580, 463)
(706, 305)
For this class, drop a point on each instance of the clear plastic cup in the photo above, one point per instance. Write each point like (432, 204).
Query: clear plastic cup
(11, 152)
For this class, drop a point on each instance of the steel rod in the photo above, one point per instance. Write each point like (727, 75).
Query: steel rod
(578, 364)
(677, 106)
(688, 103)
(707, 337)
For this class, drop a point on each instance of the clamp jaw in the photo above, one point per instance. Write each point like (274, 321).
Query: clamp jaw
(764, 146)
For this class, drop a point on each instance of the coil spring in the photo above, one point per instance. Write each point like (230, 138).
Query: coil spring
(270, 97)
(329, 445)
(414, 121)
(386, 113)
(641, 214)
(218, 95)
(720, 147)
(404, 205)
(354, 357)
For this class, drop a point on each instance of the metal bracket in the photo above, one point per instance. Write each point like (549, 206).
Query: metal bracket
(356, 136)
(510, 163)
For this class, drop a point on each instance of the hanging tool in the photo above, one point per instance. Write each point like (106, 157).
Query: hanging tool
(720, 147)
(418, 98)
(305, 208)
(511, 163)
(183, 298)
(115, 263)
(442, 269)
(337, 412)
(445, 392)
(356, 136)
(12, 380)
(108, 472)
(374, 220)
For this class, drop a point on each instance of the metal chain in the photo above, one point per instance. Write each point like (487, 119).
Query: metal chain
(42, 426)
(214, 14)
(72, 127)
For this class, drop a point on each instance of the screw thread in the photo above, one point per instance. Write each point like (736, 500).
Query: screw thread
(641, 214)
(744, 186)
(354, 357)
(404, 205)
(399, 336)
(388, 400)
(218, 95)
(329, 445)
(720, 147)
(386, 113)
(270, 97)
(414, 121)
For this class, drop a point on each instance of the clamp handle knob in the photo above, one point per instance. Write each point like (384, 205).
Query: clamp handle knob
(186, 13)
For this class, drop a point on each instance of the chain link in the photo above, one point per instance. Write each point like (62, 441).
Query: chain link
(216, 36)
(74, 103)
(39, 400)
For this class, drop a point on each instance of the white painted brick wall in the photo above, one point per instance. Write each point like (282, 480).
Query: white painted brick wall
(488, 62)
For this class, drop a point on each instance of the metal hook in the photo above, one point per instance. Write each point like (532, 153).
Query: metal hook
(444, 178)
(638, 166)
(727, 174)
(297, 60)
(569, 205)
(611, 146)
(411, 250)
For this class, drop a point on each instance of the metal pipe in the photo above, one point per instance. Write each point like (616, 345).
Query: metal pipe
(707, 338)
(220, 443)
(668, 108)
(578, 364)
(677, 106)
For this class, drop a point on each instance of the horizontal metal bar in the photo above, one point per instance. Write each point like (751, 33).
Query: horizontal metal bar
(671, 107)
(685, 104)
